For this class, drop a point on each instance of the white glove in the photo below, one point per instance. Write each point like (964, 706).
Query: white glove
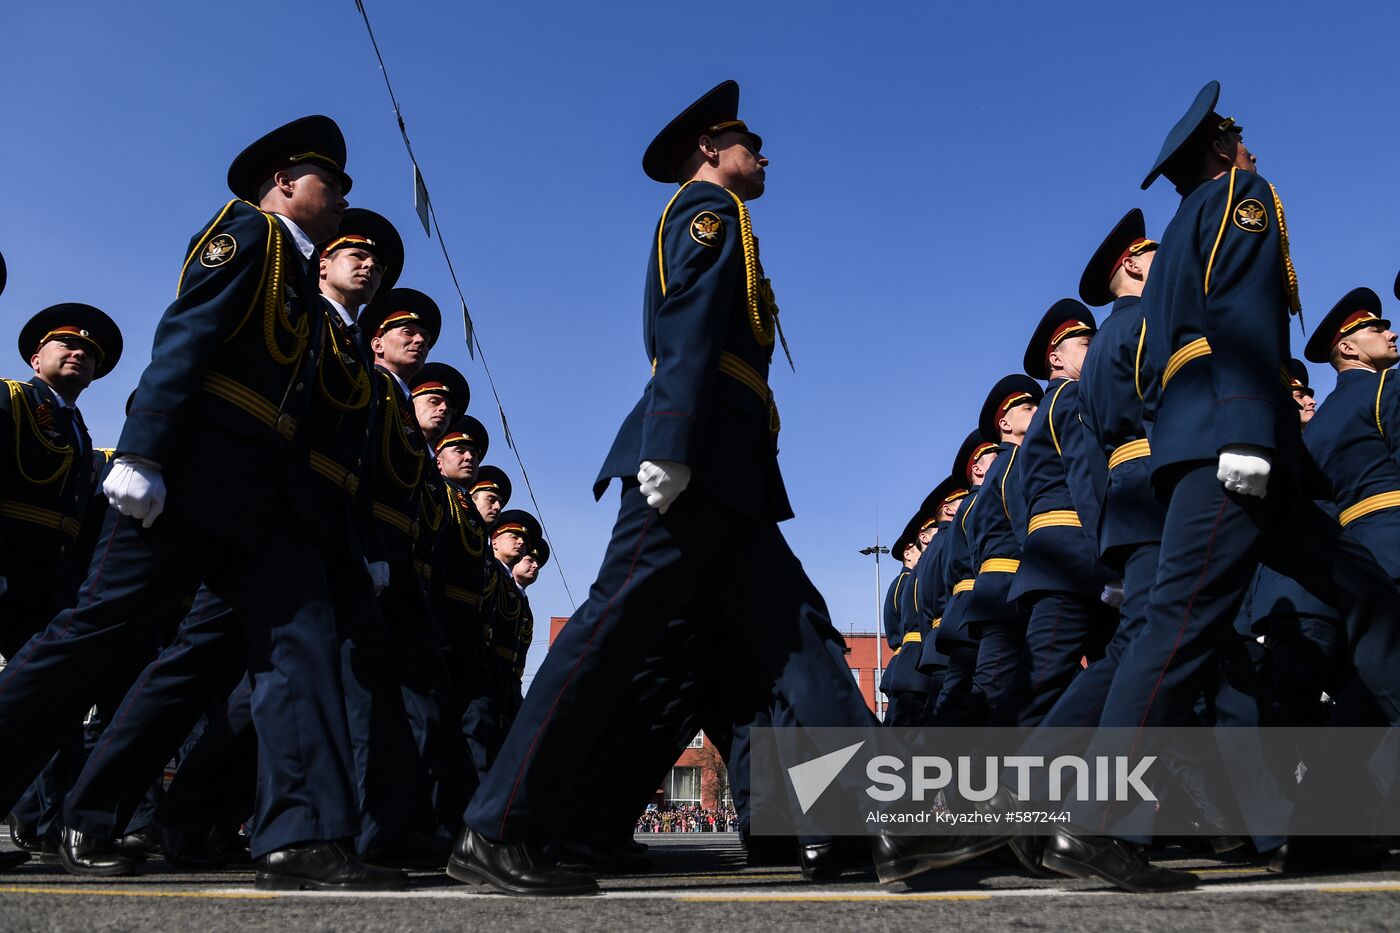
(1112, 595)
(378, 574)
(1244, 469)
(662, 481)
(136, 488)
(4, 585)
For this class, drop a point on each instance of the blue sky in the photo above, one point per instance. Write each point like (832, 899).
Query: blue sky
(939, 175)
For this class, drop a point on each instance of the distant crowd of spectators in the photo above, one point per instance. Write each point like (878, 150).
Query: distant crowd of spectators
(688, 818)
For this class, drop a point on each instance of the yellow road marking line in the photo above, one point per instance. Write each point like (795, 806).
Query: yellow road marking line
(800, 898)
(786, 876)
(1228, 871)
(127, 892)
(1345, 889)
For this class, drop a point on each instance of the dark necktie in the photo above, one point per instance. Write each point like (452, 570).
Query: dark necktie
(69, 424)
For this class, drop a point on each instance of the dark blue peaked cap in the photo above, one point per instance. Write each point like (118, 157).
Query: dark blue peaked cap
(1298, 376)
(1201, 114)
(908, 536)
(1064, 319)
(1009, 391)
(971, 450)
(952, 486)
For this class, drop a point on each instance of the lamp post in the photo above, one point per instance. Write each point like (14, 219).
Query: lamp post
(876, 550)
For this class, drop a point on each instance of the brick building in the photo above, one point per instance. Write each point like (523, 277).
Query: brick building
(698, 775)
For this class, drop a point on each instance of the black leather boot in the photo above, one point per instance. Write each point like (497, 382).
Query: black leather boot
(901, 857)
(323, 866)
(513, 868)
(25, 838)
(840, 855)
(81, 854)
(1107, 859)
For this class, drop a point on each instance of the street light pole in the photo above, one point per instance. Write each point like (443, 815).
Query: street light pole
(876, 550)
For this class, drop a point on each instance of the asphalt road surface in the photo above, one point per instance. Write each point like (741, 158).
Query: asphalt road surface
(701, 882)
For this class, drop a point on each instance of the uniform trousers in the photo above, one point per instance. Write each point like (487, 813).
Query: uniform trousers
(949, 708)
(1081, 702)
(935, 687)
(653, 567)
(434, 715)
(1212, 543)
(35, 593)
(213, 787)
(1001, 681)
(1064, 628)
(137, 578)
(200, 669)
(906, 708)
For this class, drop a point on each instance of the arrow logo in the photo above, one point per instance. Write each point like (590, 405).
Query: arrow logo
(811, 778)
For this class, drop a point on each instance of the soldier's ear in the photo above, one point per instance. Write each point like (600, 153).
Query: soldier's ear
(1224, 147)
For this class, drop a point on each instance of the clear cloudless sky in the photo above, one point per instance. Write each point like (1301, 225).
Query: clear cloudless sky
(940, 173)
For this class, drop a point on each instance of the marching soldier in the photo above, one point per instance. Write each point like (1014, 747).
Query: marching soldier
(902, 684)
(1304, 656)
(952, 636)
(437, 393)
(1226, 428)
(1113, 383)
(513, 627)
(484, 719)
(48, 467)
(462, 561)
(931, 592)
(48, 474)
(215, 420)
(1352, 434)
(204, 663)
(1226, 444)
(1060, 471)
(999, 682)
(399, 329)
(701, 498)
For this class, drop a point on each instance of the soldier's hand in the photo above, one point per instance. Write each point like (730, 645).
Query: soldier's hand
(136, 488)
(1112, 595)
(1244, 468)
(378, 574)
(662, 481)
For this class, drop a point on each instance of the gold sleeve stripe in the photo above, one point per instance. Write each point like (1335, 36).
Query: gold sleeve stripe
(1056, 518)
(1192, 351)
(1133, 450)
(999, 565)
(23, 512)
(1384, 500)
